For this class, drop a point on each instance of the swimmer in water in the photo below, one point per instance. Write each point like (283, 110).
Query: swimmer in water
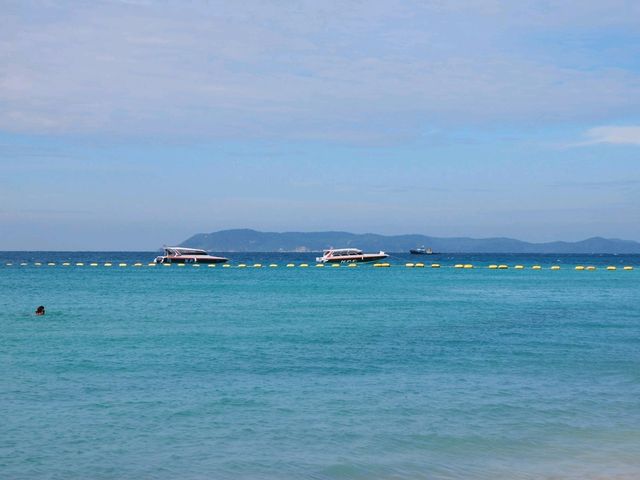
(40, 310)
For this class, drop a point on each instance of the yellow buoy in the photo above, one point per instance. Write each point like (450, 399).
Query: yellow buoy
(458, 265)
(273, 265)
(107, 264)
(137, 264)
(519, 267)
(352, 265)
(93, 264)
(181, 264)
(289, 265)
(196, 265)
(166, 264)
(122, 264)
(611, 268)
(468, 265)
(409, 265)
(419, 265)
(493, 267)
(335, 265)
(381, 264)
(37, 264)
(9, 264)
(320, 265)
(503, 267)
(226, 265)
(51, 264)
(536, 267)
(242, 265)
(304, 265)
(152, 264)
(65, 264)
(579, 267)
(628, 268)
(24, 264)
(555, 267)
(79, 264)
(211, 265)
(257, 265)
(435, 265)
(591, 267)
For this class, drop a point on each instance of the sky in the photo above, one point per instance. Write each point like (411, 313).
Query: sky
(127, 125)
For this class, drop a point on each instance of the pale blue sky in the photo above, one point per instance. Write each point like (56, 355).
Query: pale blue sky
(131, 124)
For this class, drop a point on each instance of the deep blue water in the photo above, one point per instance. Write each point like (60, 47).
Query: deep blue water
(334, 373)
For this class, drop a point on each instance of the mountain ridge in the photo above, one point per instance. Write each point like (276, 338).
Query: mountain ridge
(249, 240)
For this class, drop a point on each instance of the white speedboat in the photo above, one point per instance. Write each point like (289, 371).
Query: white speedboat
(187, 255)
(349, 255)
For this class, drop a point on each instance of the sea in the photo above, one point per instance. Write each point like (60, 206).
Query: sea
(139, 372)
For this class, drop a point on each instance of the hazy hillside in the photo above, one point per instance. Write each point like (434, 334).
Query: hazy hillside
(246, 240)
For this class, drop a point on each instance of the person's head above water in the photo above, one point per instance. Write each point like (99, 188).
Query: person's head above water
(40, 310)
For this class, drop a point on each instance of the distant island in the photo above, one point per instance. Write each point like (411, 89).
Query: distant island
(247, 240)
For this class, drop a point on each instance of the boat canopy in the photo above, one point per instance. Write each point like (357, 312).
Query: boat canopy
(343, 251)
(184, 251)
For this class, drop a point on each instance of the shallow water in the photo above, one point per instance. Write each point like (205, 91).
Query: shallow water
(319, 373)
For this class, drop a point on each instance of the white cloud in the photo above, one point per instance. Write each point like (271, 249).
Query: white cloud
(370, 71)
(613, 135)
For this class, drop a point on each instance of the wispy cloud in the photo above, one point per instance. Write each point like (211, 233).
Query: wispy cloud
(612, 135)
(332, 71)
(598, 184)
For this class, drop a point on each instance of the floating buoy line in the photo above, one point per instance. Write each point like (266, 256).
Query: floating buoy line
(411, 265)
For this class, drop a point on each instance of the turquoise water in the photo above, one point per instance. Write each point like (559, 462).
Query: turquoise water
(333, 373)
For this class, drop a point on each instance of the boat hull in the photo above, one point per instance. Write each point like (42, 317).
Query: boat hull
(356, 258)
(206, 260)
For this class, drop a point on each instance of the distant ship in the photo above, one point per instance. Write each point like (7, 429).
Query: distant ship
(349, 255)
(187, 255)
(421, 251)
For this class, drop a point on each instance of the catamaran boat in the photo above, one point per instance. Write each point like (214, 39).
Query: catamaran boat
(187, 255)
(349, 255)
